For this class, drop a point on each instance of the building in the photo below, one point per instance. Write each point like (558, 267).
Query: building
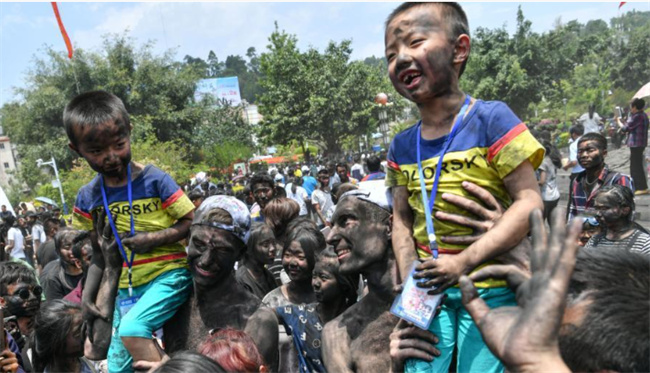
(7, 162)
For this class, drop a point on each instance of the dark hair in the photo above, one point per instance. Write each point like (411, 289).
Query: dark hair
(297, 181)
(623, 197)
(261, 178)
(615, 332)
(15, 272)
(577, 129)
(348, 284)
(190, 361)
(344, 165)
(553, 153)
(256, 232)
(306, 233)
(373, 163)
(82, 239)
(52, 324)
(51, 223)
(195, 194)
(60, 235)
(452, 12)
(93, 109)
(232, 349)
(594, 136)
(638, 103)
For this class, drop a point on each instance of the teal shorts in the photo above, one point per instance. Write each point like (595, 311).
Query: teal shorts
(454, 327)
(159, 301)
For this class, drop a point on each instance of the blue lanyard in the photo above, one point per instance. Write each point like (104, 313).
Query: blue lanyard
(114, 228)
(427, 203)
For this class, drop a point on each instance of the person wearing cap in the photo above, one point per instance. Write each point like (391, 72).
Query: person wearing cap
(218, 238)
(360, 235)
(308, 182)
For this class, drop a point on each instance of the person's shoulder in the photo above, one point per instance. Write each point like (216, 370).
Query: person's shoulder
(49, 270)
(405, 137)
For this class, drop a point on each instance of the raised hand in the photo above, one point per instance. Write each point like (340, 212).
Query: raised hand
(525, 338)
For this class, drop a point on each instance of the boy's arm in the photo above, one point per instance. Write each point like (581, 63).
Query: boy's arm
(402, 236)
(144, 242)
(506, 233)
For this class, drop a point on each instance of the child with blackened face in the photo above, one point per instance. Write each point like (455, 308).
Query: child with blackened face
(457, 138)
(148, 207)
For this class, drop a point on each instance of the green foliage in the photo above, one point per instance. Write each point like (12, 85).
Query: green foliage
(323, 98)
(223, 155)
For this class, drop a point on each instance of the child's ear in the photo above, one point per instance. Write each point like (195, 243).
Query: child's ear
(462, 49)
(73, 147)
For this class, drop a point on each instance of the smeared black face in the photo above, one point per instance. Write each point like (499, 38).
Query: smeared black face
(263, 193)
(590, 155)
(18, 306)
(326, 287)
(358, 241)
(419, 53)
(106, 148)
(212, 254)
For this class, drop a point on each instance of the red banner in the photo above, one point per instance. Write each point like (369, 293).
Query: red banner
(68, 44)
(621, 4)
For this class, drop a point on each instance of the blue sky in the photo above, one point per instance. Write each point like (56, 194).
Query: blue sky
(230, 28)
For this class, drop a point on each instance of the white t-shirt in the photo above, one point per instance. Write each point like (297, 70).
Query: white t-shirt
(299, 196)
(324, 200)
(14, 234)
(549, 190)
(590, 124)
(573, 156)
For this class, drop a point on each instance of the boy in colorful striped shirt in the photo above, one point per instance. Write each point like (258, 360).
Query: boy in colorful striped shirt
(155, 280)
(459, 139)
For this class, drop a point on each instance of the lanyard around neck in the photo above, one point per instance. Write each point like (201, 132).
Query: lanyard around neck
(427, 203)
(129, 190)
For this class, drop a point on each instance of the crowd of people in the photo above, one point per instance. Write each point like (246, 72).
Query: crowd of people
(295, 268)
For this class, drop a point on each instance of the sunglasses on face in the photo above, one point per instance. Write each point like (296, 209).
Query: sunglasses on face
(24, 292)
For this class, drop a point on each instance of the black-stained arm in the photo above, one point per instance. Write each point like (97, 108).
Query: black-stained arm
(263, 327)
(402, 232)
(144, 242)
(336, 348)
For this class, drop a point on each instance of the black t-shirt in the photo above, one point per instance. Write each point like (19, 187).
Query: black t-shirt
(259, 288)
(46, 253)
(56, 283)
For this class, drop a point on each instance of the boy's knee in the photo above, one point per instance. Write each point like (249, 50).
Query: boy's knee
(135, 328)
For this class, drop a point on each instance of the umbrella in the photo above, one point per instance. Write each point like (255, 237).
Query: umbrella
(643, 92)
(46, 200)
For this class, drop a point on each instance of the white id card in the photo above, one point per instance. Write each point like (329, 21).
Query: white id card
(414, 304)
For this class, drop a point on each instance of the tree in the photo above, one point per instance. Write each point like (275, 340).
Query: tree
(323, 98)
(155, 87)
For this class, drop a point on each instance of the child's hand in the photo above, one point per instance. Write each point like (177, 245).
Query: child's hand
(141, 242)
(443, 272)
(8, 361)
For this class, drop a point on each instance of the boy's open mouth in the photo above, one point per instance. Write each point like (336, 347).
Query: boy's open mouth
(409, 76)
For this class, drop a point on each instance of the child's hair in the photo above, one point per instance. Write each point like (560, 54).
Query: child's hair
(232, 349)
(451, 11)
(15, 272)
(60, 235)
(330, 262)
(261, 178)
(190, 361)
(553, 153)
(594, 136)
(623, 197)
(257, 232)
(52, 325)
(306, 233)
(93, 109)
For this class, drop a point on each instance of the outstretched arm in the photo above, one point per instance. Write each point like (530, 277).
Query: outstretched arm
(525, 338)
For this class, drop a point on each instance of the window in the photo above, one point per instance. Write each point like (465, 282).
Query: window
(2, 145)
(6, 164)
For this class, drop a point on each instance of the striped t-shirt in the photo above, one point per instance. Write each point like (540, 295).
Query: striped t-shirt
(637, 242)
(158, 202)
(489, 144)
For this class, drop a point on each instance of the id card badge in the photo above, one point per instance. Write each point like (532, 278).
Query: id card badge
(125, 304)
(414, 304)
